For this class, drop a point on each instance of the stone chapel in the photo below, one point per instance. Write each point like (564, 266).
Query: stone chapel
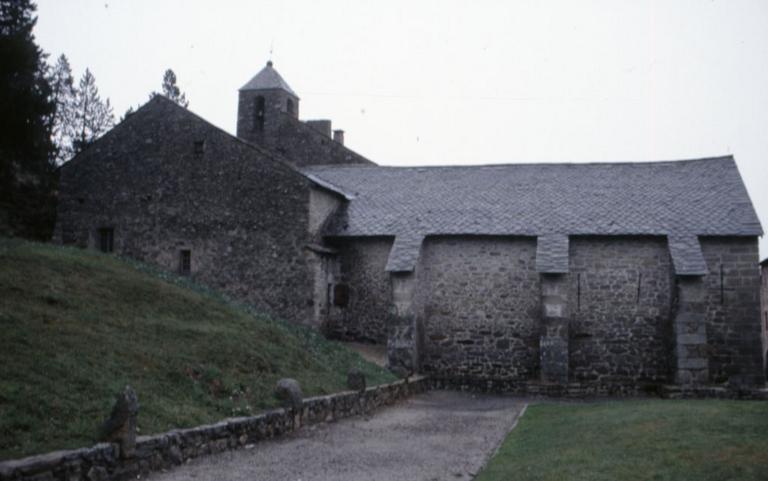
(608, 278)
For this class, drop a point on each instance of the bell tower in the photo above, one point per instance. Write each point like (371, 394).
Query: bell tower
(261, 101)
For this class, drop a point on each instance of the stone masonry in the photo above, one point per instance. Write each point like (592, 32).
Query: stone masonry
(605, 278)
(732, 303)
(619, 321)
(225, 203)
(621, 298)
(361, 270)
(764, 307)
(481, 311)
(268, 115)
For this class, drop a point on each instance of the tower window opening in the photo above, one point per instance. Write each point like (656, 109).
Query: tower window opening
(290, 107)
(258, 113)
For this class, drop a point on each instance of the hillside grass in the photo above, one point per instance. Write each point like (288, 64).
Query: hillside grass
(636, 440)
(77, 326)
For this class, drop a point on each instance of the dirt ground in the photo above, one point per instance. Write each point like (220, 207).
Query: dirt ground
(435, 436)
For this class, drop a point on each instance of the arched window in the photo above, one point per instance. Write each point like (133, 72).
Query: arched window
(290, 107)
(258, 113)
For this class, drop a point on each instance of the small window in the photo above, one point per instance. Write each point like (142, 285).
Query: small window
(341, 295)
(290, 107)
(185, 261)
(258, 113)
(106, 239)
(199, 147)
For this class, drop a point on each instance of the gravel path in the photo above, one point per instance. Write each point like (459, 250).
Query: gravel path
(435, 436)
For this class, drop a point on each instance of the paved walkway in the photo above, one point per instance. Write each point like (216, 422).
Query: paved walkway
(435, 436)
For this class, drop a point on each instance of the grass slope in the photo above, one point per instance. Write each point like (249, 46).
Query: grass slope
(636, 440)
(77, 326)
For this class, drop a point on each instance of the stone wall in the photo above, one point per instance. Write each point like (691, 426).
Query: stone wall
(621, 321)
(302, 144)
(764, 307)
(361, 270)
(165, 180)
(620, 302)
(164, 451)
(481, 314)
(733, 310)
(249, 126)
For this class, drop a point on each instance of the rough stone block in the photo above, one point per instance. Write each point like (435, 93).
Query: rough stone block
(289, 393)
(692, 363)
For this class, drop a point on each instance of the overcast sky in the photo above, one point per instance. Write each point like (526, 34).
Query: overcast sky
(456, 82)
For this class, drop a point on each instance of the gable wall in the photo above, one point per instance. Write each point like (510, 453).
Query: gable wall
(243, 216)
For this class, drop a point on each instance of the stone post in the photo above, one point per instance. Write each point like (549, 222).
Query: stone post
(553, 344)
(692, 362)
(404, 338)
(120, 428)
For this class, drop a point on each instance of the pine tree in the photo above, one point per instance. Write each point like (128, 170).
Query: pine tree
(63, 96)
(27, 205)
(172, 91)
(92, 116)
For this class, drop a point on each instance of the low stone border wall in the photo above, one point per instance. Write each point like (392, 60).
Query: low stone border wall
(713, 392)
(163, 451)
(542, 389)
(594, 391)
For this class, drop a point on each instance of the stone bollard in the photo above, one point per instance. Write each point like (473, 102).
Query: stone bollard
(120, 427)
(356, 380)
(288, 392)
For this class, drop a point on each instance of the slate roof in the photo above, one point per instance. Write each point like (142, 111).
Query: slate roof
(266, 79)
(678, 199)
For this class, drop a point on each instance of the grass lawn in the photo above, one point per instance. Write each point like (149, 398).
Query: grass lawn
(636, 440)
(76, 326)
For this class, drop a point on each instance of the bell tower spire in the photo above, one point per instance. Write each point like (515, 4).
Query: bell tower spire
(261, 101)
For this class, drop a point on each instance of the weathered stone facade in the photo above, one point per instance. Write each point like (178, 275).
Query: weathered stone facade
(620, 321)
(361, 271)
(226, 203)
(268, 115)
(764, 308)
(620, 299)
(732, 303)
(481, 307)
(599, 278)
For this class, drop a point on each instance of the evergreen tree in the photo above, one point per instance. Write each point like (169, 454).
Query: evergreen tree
(172, 91)
(92, 117)
(63, 95)
(27, 205)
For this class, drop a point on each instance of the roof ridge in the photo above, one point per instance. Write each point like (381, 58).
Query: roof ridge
(273, 156)
(532, 164)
